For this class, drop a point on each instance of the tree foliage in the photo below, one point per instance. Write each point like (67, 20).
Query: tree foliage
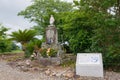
(77, 31)
(33, 45)
(23, 36)
(5, 44)
(40, 11)
(105, 20)
(3, 31)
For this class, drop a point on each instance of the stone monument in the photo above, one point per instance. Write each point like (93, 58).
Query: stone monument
(89, 64)
(51, 41)
(51, 36)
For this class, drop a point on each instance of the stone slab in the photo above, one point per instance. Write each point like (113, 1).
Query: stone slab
(89, 64)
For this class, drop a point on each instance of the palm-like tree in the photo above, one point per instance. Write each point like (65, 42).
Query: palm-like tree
(23, 36)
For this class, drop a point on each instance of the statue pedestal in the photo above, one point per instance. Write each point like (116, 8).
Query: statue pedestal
(51, 35)
(52, 46)
(57, 60)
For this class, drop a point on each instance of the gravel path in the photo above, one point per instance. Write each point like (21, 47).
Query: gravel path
(9, 73)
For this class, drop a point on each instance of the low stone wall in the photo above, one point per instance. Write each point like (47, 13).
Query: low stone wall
(50, 61)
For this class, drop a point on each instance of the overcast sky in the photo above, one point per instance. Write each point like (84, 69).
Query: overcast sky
(8, 14)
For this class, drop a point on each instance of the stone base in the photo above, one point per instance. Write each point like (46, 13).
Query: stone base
(50, 61)
(53, 46)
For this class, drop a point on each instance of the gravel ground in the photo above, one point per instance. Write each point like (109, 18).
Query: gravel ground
(9, 73)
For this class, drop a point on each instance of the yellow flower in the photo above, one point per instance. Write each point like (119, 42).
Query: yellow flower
(48, 51)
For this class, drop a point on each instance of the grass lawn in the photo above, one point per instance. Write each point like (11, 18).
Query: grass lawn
(17, 51)
(13, 52)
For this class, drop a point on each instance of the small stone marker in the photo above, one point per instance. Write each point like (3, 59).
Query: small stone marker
(89, 64)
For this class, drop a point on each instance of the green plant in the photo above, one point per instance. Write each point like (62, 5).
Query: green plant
(112, 59)
(31, 46)
(14, 46)
(66, 48)
(48, 52)
(2, 46)
(24, 37)
(68, 63)
(5, 46)
(53, 53)
(43, 52)
(27, 53)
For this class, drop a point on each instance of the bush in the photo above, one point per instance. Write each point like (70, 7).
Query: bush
(53, 53)
(43, 52)
(14, 46)
(2, 46)
(5, 46)
(111, 60)
(81, 42)
(31, 46)
(66, 48)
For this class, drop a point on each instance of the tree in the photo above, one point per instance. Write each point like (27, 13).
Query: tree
(40, 10)
(23, 36)
(105, 19)
(77, 31)
(5, 44)
(2, 31)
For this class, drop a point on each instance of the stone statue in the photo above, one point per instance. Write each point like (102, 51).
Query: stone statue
(52, 20)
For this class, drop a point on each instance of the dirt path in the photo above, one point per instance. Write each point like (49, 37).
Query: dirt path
(8, 73)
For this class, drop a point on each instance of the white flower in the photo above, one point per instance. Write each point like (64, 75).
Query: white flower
(32, 56)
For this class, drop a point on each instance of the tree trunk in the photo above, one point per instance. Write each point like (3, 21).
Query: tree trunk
(118, 8)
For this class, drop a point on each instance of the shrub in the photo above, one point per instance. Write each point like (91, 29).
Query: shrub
(43, 52)
(52, 53)
(111, 60)
(31, 46)
(5, 46)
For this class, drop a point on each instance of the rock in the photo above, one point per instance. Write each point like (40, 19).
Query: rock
(69, 74)
(24, 69)
(58, 74)
(27, 62)
(11, 64)
(48, 72)
(20, 63)
(53, 74)
(34, 69)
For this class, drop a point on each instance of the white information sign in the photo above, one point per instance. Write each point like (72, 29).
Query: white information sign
(89, 64)
(89, 59)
